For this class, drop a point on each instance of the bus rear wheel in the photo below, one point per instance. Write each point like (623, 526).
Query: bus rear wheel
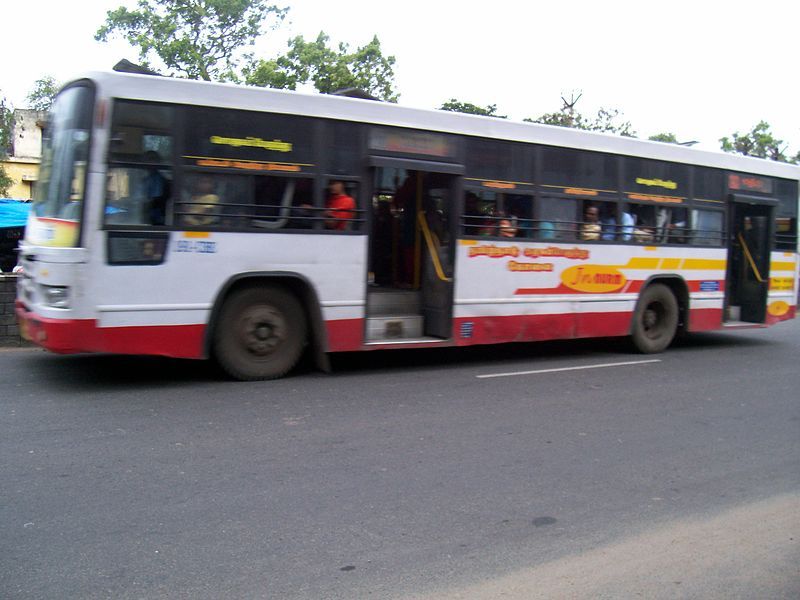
(655, 321)
(260, 333)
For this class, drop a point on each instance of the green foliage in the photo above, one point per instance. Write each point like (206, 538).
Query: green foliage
(328, 69)
(759, 142)
(5, 182)
(607, 120)
(270, 73)
(6, 121)
(454, 105)
(43, 93)
(199, 39)
(667, 138)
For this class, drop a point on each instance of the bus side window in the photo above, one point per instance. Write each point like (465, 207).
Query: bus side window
(137, 195)
(213, 200)
(139, 179)
(557, 219)
(519, 209)
(200, 201)
(707, 229)
(480, 213)
(609, 228)
(675, 223)
(643, 229)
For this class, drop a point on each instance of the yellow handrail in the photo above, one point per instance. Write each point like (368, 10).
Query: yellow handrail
(750, 260)
(432, 246)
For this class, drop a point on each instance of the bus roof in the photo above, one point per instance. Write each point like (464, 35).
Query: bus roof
(227, 95)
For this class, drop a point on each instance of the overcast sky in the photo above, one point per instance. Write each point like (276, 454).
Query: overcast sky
(700, 69)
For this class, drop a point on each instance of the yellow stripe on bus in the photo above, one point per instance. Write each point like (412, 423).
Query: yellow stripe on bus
(781, 266)
(704, 264)
(639, 262)
(694, 264)
(671, 263)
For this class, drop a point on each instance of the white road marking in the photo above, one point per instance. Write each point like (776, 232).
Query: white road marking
(580, 368)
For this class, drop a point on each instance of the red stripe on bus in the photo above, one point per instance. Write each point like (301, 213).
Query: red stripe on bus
(790, 314)
(66, 336)
(697, 286)
(186, 341)
(533, 328)
(705, 319)
(345, 335)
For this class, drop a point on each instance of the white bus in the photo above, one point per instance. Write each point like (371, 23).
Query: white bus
(191, 219)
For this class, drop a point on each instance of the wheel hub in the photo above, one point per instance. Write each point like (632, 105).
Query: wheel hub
(649, 319)
(652, 319)
(262, 330)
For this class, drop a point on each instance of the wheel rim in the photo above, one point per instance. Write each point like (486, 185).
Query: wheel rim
(261, 330)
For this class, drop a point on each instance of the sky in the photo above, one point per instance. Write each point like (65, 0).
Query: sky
(701, 69)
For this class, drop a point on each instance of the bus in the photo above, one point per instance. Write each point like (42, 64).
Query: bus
(193, 220)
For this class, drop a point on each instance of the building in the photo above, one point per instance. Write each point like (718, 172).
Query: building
(22, 164)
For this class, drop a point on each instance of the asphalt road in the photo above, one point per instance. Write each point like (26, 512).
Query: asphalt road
(408, 474)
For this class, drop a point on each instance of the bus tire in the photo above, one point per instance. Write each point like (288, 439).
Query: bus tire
(260, 333)
(655, 320)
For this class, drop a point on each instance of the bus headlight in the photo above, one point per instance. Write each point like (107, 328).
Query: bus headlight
(56, 296)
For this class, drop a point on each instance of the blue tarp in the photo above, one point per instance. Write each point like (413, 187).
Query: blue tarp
(13, 213)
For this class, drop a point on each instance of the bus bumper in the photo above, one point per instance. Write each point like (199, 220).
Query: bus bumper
(71, 336)
(56, 335)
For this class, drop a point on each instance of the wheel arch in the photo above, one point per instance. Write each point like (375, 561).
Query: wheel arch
(679, 289)
(298, 285)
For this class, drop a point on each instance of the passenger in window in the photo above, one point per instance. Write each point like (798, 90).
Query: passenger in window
(608, 223)
(475, 222)
(590, 228)
(203, 204)
(628, 223)
(676, 229)
(339, 208)
(643, 233)
(489, 226)
(519, 208)
(547, 231)
(507, 227)
(158, 189)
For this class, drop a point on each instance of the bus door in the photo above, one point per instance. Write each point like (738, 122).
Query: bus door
(750, 243)
(411, 250)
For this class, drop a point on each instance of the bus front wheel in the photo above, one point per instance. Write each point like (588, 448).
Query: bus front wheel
(260, 333)
(655, 320)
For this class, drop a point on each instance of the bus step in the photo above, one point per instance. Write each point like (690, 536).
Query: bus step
(742, 325)
(382, 301)
(433, 341)
(394, 327)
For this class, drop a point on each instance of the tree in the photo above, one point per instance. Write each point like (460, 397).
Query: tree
(667, 138)
(6, 122)
(607, 120)
(43, 93)
(200, 39)
(759, 142)
(328, 69)
(454, 105)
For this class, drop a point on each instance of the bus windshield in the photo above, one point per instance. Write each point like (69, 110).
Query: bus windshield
(65, 150)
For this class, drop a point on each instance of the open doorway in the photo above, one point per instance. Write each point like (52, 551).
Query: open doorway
(411, 254)
(748, 270)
